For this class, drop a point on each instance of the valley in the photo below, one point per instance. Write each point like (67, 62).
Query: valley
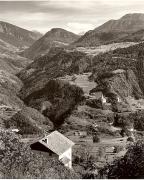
(90, 88)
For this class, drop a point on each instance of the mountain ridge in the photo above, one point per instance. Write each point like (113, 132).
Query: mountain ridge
(17, 36)
(56, 37)
(113, 31)
(129, 22)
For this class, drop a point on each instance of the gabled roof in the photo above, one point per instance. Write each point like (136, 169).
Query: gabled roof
(57, 142)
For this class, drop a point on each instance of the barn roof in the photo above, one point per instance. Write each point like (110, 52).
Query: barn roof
(57, 142)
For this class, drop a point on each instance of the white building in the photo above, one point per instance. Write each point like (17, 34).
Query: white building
(56, 144)
(15, 130)
(99, 95)
(119, 99)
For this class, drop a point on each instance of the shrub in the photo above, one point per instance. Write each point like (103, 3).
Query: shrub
(130, 139)
(96, 139)
(123, 120)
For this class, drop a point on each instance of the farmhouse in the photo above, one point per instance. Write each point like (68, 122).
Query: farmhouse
(56, 144)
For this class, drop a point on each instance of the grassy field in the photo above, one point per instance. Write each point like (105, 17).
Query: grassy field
(81, 80)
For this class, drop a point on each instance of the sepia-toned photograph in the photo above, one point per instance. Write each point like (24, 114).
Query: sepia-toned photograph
(72, 89)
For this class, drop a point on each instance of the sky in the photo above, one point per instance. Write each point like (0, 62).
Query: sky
(73, 15)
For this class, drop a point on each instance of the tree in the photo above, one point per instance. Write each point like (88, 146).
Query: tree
(131, 166)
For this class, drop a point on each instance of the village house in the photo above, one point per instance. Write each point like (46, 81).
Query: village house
(56, 144)
(99, 96)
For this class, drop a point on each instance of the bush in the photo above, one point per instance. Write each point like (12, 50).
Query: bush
(96, 139)
(94, 103)
(131, 139)
(123, 120)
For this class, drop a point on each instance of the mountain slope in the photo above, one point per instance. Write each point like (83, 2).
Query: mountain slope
(39, 72)
(128, 59)
(53, 38)
(114, 31)
(135, 36)
(128, 23)
(93, 38)
(17, 36)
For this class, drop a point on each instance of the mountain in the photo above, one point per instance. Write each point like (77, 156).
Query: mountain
(13, 112)
(17, 36)
(128, 23)
(134, 37)
(94, 38)
(130, 60)
(10, 61)
(56, 37)
(114, 31)
(36, 75)
(13, 63)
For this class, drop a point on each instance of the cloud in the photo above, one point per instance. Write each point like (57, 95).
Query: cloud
(73, 15)
(79, 27)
